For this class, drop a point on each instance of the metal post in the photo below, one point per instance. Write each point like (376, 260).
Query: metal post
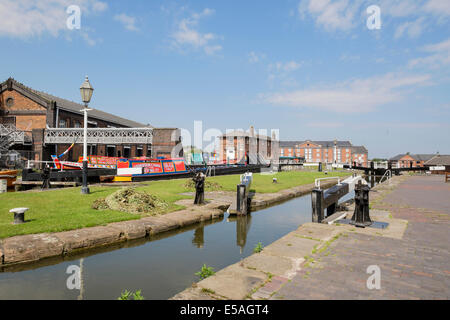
(361, 216)
(317, 206)
(85, 188)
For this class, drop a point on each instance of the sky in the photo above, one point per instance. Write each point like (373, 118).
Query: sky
(312, 69)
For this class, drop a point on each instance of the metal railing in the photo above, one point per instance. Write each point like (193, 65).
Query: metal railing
(387, 175)
(211, 171)
(99, 135)
(9, 135)
(317, 181)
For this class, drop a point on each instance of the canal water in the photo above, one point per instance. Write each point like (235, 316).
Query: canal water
(160, 267)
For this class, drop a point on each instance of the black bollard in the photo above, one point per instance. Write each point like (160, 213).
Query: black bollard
(199, 180)
(320, 166)
(45, 178)
(361, 216)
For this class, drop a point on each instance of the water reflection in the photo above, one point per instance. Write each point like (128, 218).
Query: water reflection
(243, 223)
(199, 237)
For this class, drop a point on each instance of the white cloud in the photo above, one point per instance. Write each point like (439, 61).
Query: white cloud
(281, 71)
(345, 15)
(331, 14)
(438, 7)
(285, 67)
(187, 34)
(439, 56)
(413, 29)
(254, 57)
(29, 18)
(127, 21)
(360, 95)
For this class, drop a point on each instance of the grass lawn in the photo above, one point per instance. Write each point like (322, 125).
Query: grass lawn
(67, 209)
(263, 183)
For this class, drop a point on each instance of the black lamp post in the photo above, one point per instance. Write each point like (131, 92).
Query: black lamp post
(86, 91)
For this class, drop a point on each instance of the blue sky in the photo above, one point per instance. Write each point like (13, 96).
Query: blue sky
(311, 69)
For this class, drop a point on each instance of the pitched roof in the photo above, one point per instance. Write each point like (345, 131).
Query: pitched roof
(439, 160)
(76, 107)
(359, 149)
(241, 133)
(417, 157)
(324, 144)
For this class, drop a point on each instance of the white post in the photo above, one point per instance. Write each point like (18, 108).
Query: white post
(85, 134)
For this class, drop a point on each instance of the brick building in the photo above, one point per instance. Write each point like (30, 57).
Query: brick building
(240, 146)
(29, 119)
(440, 161)
(340, 152)
(408, 160)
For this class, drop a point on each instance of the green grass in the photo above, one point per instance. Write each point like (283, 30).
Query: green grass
(263, 183)
(66, 209)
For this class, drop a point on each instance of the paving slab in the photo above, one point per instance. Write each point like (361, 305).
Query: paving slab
(234, 282)
(192, 294)
(316, 231)
(291, 246)
(276, 265)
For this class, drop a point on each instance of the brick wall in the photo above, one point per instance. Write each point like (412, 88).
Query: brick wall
(166, 141)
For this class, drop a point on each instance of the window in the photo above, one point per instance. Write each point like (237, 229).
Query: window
(111, 151)
(126, 152)
(10, 102)
(92, 150)
(77, 124)
(139, 152)
(62, 123)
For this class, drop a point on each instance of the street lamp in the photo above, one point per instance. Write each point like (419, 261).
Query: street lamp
(86, 91)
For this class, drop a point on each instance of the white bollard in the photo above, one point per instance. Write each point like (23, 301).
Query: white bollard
(3, 185)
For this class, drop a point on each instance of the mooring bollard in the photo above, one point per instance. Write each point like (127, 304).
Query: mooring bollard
(3, 185)
(361, 216)
(46, 178)
(19, 215)
(199, 180)
(317, 206)
(243, 190)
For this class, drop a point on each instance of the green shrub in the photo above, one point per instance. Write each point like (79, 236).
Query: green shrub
(259, 247)
(205, 272)
(127, 295)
